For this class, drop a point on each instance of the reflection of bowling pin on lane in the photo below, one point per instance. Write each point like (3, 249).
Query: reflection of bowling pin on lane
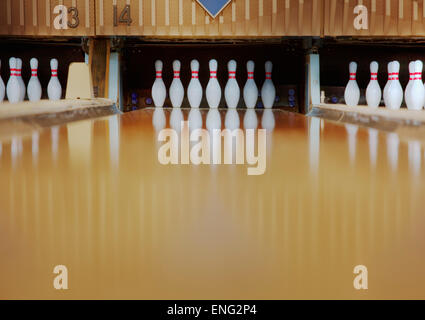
(2, 87)
(232, 92)
(268, 122)
(352, 140)
(176, 88)
(416, 93)
(394, 94)
(159, 92)
(213, 88)
(352, 91)
(194, 90)
(231, 120)
(176, 118)
(13, 88)
(250, 91)
(373, 90)
(213, 119)
(393, 142)
(414, 155)
(158, 120)
(22, 88)
(250, 120)
(34, 86)
(54, 89)
(268, 91)
(373, 146)
(195, 119)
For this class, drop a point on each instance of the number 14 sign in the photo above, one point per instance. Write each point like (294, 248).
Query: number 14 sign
(213, 7)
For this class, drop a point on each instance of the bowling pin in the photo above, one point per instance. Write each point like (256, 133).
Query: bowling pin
(22, 87)
(352, 91)
(417, 90)
(407, 95)
(373, 90)
(213, 92)
(268, 91)
(390, 77)
(34, 86)
(13, 88)
(176, 88)
(159, 92)
(2, 87)
(232, 92)
(394, 96)
(54, 88)
(194, 90)
(250, 91)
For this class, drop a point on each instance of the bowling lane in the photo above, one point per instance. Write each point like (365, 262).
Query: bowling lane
(93, 196)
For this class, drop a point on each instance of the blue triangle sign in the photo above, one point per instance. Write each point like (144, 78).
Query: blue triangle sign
(214, 7)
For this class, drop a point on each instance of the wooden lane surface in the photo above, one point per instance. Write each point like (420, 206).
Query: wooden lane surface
(91, 195)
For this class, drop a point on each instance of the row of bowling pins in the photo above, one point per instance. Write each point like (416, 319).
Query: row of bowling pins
(213, 119)
(414, 94)
(16, 88)
(213, 90)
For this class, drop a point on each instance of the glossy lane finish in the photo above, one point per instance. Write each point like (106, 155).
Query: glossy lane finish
(92, 196)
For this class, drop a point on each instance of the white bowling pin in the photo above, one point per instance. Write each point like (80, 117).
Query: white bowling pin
(268, 91)
(2, 87)
(373, 90)
(407, 90)
(176, 88)
(194, 90)
(213, 92)
(390, 77)
(54, 88)
(417, 90)
(352, 91)
(22, 87)
(232, 93)
(34, 86)
(250, 91)
(13, 88)
(159, 92)
(394, 91)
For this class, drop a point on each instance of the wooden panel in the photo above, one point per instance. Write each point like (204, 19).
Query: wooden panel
(99, 64)
(186, 18)
(386, 18)
(36, 17)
